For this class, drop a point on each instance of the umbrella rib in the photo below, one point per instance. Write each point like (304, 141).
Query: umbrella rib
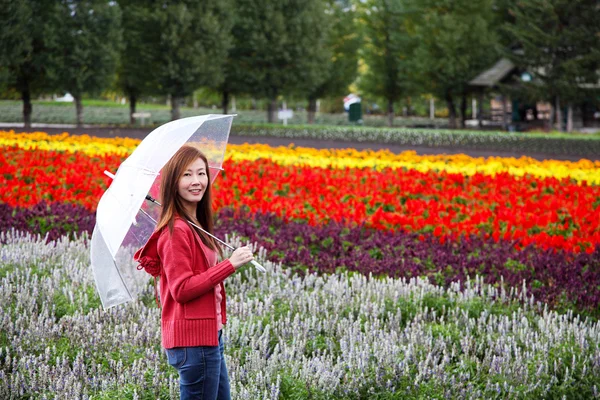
(191, 223)
(253, 262)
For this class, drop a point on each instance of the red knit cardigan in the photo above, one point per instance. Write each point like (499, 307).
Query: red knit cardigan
(187, 285)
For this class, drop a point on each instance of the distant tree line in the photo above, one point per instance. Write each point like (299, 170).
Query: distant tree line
(393, 50)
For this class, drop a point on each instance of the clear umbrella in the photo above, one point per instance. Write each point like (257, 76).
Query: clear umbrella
(125, 219)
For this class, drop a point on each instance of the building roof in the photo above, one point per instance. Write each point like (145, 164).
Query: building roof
(491, 77)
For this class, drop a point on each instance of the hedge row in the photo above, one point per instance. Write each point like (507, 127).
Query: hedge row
(556, 144)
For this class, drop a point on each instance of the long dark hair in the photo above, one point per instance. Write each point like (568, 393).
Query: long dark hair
(172, 205)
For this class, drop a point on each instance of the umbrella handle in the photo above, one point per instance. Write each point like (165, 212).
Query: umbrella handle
(258, 266)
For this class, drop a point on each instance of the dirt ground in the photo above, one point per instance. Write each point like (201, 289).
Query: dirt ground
(314, 143)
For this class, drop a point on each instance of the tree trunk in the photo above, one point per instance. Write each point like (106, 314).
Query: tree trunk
(431, 108)
(570, 118)
(271, 110)
(27, 108)
(78, 110)
(451, 111)
(504, 112)
(550, 121)
(225, 101)
(312, 110)
(175, 110)
(480, 109)
(463, 111)
(390, 112)
(558, 114)
(132, 106)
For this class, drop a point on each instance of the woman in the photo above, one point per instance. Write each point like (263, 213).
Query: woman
(192, 294)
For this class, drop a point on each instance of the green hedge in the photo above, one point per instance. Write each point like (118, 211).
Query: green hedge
(98, 112)
(558, 144)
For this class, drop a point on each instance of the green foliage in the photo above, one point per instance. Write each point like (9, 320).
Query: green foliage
(339, 70)
(24, 36)
(189, 42)
(130, 392)
(387, 52)
(69, 306)
(85, 45)
(6, 269)
(16, 43)
(280, 46)
(558, 42)
(134, 77)
(457, 40)
(63, 347)
(294, 388)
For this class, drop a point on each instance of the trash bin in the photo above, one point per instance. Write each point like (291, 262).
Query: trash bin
(355, 113)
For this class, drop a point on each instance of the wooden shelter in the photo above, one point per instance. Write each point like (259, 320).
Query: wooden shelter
(512, 111)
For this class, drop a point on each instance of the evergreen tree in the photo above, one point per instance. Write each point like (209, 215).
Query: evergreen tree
(192, 46)
(387, 52)
(340, 68)
(84, 52)
(236, 80)
(281, 47)
(23, 34)
(457, 40)
(135, 76)
(558, 42)
(233, 83)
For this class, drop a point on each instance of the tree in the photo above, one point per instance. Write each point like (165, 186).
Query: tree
(456, 42)
(281, 47)
(232, 83)
(340, 68)
(387, 52)
(23, 35)
(193, 42)
(559, 44)
(134, 77)
(84, 53)
(237, 73)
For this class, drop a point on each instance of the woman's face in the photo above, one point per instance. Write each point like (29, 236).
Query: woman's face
(193, 184)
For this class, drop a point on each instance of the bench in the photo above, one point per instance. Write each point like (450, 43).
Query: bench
(142, 115)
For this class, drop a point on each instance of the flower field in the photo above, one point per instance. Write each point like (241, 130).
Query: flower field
(424, 264)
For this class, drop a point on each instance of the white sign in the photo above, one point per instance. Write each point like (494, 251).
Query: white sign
(141, 115)
(285, 115)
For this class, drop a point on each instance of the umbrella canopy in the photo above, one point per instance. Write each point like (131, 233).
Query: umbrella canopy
(124, 221)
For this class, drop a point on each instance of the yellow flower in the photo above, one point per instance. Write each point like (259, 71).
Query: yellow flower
(580, 171)
(69, 143)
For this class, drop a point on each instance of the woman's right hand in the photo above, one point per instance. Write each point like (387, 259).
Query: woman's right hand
(241, 256)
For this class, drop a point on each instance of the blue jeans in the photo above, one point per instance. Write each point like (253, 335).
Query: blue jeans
(202, 371)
